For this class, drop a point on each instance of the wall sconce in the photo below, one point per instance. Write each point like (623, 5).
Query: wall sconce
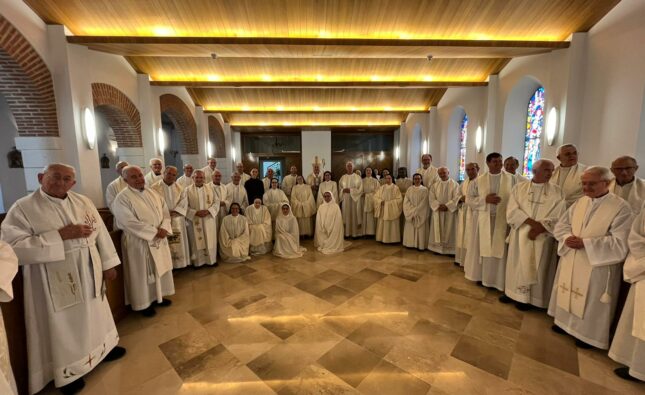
(210, 149)
(161, 141)
(381, 155)
(551, 125)
(233, 154)
(425, 147)
(479, 139)
(396, 153)
(89, 128)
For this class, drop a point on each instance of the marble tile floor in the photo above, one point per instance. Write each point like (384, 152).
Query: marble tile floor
(374, 320)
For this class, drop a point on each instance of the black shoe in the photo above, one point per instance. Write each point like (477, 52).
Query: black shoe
(456, 263)
(148, 312)
(583, 345)
(73, 388)
(523, 306)
(164, 302)
(623, 373)
(481, 284)
(505, 299)
(558, 330)
(116, 353)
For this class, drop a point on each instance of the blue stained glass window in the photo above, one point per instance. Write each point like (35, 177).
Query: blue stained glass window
(534, 126)
(462, 148)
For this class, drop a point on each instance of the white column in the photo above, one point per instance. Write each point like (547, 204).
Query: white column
(150, 118)
(571, 117)
(434, 137)
(492, 139)
(72, 87)
(201, 120)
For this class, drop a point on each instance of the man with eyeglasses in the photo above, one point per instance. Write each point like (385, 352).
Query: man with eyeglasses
(626, 184)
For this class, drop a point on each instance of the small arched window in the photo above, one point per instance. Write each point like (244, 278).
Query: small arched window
(463, 134)
(534, 126)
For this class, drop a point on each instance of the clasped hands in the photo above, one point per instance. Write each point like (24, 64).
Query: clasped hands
(536, 228)
(202, 213)
(492, 198)
(574, 242)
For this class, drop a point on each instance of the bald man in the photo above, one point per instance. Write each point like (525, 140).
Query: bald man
(187, 178)
(625, 184)
(156, 172)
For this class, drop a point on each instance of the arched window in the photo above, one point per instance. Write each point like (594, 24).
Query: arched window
(463, 132)
(534, 126)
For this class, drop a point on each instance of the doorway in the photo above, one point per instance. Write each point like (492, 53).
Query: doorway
(277, 164)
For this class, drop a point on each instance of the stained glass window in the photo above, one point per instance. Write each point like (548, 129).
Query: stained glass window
(462, 148)
(534, 126)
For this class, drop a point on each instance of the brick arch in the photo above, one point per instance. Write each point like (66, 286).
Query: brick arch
(26, 84)
(216, 136)
(120, 113)
(183, 120)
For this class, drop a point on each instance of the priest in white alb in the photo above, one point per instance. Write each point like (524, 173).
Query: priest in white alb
(186, 179)
(388, 206)
(567, 175)
(533, 210)
(235, 192)
(464, 215)
(117, 185)
(488, 196)
(370, 185)
(8, 270)
(171, 192)
(234, 239)
(402, 180)
(244, 177)
(145, 220)
(202, 209)
(156, 171)
(415, 211)
(592, 244)
(220, 194)
(66, 255)
(444, 198)
(350, 189)
(625, 183)
(303, 207)
(427, 171)
(329, 227)
(327, 185)
(260, 230)
(315, 177)
(628, 346)
(210, 168)
(289, 181)
(511, 165)
(267, 180)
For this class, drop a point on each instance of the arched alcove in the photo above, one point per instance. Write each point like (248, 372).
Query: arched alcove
(182, 120)
(453, 141)
(515, 113)
(414, 148)
(119, 112)
(216, 137)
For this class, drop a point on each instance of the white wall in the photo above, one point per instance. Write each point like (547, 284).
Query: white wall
(315, 143)
(12, 181)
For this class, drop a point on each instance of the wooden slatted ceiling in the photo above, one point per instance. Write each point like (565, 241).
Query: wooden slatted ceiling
(310, 69)
(307, 99)
(549, 20)
(290, 119)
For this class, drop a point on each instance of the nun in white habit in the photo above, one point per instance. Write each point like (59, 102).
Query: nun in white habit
(329, 227)
(304, 206)
(260, 228)
(234, 237)
(287, 235)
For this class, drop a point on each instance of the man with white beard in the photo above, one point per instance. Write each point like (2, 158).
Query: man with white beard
(511, 164)
(428, 172)
(628, 346)
(464, 216)
(625, 184)
(171, 192)
(444, 199)
(289, 181)
(415, 211)
(210, 169)
(201, 221)
(66, 255)
(187, 178)
(350, 190)
(236, 193)
(156, 171)
(220, 194)
(117, 185)
(388, 205)
(533, 210)
(592, 237)
(567, 175)
(488, 197)
(145, 220)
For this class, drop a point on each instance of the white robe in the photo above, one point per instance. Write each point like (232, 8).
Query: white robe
(633, 193)
(327, 186)
(260, 230)
(147, 260)
(234, 239)
(628, 346)
(304, 208)
(236, 194)
(8, 270)
(486, 255)
(403, 184)
(314, 181)
(152, 178)
(585, 293)
(428, 175)
(351, 205)
(69, 324)
(388, 229)
(208, 173)
(202, 231)
(370, 186)
(568, 179)
(244, 178)
(267, 183)
(178, 242)
(221, 195)
(287, 241)
(329, 229)
(443, 229)
(464, 225)
(273, 199)
(415, 211)
(531, 264)
(113, 189)
(287, 183)
(185, 182)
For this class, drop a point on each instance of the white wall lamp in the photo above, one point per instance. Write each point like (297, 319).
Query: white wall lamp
(161, 141)
(551, 125)
(89, 128)
(479, 139)
(396, 153)
(425, 147)
(210, 149)
(233, 154)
